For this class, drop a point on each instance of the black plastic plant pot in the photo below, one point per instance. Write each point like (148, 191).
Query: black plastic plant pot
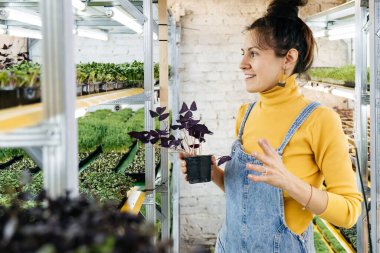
(79, 90)
(91, 88)
(85, 89)
(198, 169)
(110, 86)
(97, 87)
(9, 98)
(30, 95)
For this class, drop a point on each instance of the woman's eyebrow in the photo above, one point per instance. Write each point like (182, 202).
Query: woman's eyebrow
(249, 49)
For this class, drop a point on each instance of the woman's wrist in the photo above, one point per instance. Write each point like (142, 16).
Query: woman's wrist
(217, 176)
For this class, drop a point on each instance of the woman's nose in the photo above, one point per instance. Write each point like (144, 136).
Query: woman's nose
(244, 64)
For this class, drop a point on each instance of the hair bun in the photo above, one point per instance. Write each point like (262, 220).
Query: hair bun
(285, 8)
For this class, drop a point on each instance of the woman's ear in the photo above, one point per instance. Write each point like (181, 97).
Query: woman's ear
(291, 58)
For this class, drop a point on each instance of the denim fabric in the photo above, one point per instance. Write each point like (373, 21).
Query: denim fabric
(255, 220)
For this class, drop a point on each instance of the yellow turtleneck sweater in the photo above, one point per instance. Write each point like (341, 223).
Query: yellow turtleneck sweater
(317, 151)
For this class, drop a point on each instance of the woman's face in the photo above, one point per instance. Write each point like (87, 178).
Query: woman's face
(262, 68)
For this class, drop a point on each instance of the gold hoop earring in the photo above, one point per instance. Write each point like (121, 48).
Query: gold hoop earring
(282, 80)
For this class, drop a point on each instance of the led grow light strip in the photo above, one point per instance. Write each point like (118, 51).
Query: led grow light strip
(93, 34)
(125, 19)
(22, 32)
(79, 5)
(22, 16)
(36, 34)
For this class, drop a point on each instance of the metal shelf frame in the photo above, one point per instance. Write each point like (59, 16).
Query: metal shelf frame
(374, 15)
(53, 143)
(366, 20)
(100, 20)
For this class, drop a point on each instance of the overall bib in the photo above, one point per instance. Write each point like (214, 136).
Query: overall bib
(255, 220)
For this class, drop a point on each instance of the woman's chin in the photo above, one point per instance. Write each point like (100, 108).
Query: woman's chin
(251, 88)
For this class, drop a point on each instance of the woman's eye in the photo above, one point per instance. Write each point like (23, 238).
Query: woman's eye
(253, 54)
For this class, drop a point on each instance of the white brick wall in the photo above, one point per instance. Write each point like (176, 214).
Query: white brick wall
(118, 49)
(19, 45)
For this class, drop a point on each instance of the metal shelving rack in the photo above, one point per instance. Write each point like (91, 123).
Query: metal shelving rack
(365, 16)
(374, 18)
(53, 142)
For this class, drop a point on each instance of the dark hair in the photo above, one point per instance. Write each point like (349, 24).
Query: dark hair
(281, 30)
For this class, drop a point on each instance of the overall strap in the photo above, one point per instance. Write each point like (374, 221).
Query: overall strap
(244, 120)
(297, 123)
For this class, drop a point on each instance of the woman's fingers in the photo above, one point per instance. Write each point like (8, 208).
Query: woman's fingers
(263, 158)
(258, 168)
(213, 160)
(183, 166)
(267, 148)
(255, 178)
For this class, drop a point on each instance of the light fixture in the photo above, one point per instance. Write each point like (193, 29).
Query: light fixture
(342, 36)
(26, 33)
(337, 30)
(320, 33)
(92, 33)
(124, 18)
(343, 93)
(78, 4)
(23, 16)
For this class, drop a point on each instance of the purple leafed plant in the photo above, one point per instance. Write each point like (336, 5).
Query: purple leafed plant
(191, 132)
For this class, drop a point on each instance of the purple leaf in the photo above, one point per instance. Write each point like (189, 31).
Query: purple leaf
(153, 114)
(194, 146)
(165, 142)
(154, 140)
(193, 106)
(223, 159)
(162, 132)
(184, 108)
(188, 115)
(138, 135)
(160, 110)
(154, 133)
(163, 116)
(5, 47)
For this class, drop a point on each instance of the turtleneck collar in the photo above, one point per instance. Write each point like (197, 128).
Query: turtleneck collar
(280, 95)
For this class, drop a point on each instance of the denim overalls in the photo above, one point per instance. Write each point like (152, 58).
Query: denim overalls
(255, 220)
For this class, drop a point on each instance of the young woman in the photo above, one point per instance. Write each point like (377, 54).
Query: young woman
(286, 147)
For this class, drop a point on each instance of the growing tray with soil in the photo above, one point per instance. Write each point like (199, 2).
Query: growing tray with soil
(137, 166)
(100, 181)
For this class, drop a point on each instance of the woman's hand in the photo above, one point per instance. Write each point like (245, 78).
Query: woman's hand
(273, 171)
(184, 167)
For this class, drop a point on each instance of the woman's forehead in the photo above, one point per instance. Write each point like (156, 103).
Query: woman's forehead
(251, 40)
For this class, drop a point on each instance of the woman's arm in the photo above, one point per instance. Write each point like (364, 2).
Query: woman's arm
(217, 175)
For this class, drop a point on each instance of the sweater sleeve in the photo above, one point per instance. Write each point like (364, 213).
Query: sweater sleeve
(330, 146)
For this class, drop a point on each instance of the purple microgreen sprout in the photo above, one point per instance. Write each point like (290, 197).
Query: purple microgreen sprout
(191, 132)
